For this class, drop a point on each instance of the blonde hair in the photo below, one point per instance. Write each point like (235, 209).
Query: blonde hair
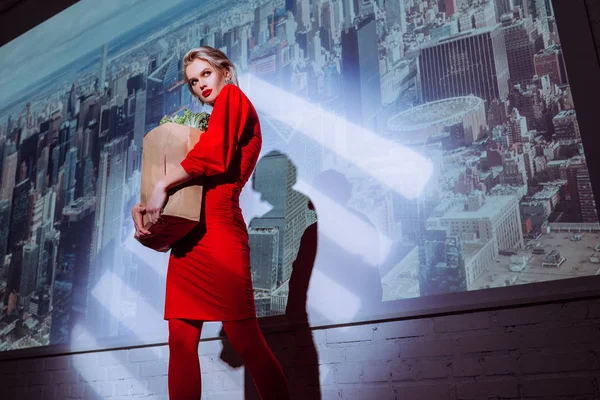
(215, 57)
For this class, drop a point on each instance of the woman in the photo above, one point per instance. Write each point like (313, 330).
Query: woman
(208, 277)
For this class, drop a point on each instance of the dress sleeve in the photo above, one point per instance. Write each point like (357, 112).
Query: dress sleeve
(217, 146)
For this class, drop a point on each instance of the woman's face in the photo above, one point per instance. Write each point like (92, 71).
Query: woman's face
(206, 81)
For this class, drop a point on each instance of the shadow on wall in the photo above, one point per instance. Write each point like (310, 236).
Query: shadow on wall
(358, 279)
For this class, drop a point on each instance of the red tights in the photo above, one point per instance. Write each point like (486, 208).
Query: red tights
(246, 339)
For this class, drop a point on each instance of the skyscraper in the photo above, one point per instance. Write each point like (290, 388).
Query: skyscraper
(470, 63)
(28, 272)
(360, 72)
(519, 37)
(274, 178)
(441, 265)
(103, 65)
(264, 256)
(74, 253)
(396, 13)
(19, 222)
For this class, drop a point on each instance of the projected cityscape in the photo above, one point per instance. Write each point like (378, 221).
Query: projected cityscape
(477, 88)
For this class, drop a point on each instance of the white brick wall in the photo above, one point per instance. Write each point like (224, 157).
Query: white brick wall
(549, 351)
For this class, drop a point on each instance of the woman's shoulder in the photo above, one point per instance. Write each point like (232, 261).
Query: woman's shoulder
(233, 92)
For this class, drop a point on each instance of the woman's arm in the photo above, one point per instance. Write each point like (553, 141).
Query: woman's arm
(175, 177)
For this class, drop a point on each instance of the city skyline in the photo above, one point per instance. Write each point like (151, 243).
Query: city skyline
(474, 90)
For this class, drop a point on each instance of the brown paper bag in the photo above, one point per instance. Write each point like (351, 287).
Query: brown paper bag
(164, 148)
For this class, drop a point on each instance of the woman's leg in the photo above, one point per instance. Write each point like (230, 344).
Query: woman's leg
(184, 365)
(247, 340)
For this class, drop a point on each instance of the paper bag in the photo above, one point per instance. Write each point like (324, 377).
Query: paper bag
(164, 148)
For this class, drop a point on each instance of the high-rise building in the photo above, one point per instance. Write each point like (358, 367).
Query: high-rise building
(360, 72)
(20, 214)
(28, 272)
(103, 66)
(503, 7)
(550, 62)
(470, 63)
(110, 192)
(494, 218)
(274, 178)
(4, 226)
(173, 86)
(447, 6)
(75, 251)
(477, 17)
(516, 127)
(519, 38)
(514, 172)
(565, 125)
(9, 172)
(396, 13)
(587, 203)
(264, 256)
(155, 96)
(441, 264)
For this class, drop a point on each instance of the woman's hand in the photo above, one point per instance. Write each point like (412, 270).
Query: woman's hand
(137, 213)
(156, 202)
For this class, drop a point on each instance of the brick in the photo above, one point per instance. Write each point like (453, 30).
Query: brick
(559, 336)
(432, 369)
(210, 347)
(93, 373)
(8, 368)
(466, 344)
(57, 363)
(99, 389)
(463, 322)
(154, 368)
(49, 392)
(484, 365)
(76, 390)
(62, 391)
(41, 378)
(330, 394)
(35, 393)
(28, 365)
(230, 395)
(131, 386)
(425, 392)
(233, 379)
(107, 358)
(487, 389)
(567, 386)
(559, 362)
(380, 351)
(429, 348)
(83, 361)
(126, 371)
(362, 393)
(377, 373)
(358, 333)
(65, 377)
(403, 370)
(349, 373)
(158, 384)
(144, 354)
(466, 367)
(327, 374)
(403, 329)
(331, 355)
(576, 310)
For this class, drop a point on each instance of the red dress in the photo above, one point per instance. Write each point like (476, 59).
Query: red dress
(209, 277)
